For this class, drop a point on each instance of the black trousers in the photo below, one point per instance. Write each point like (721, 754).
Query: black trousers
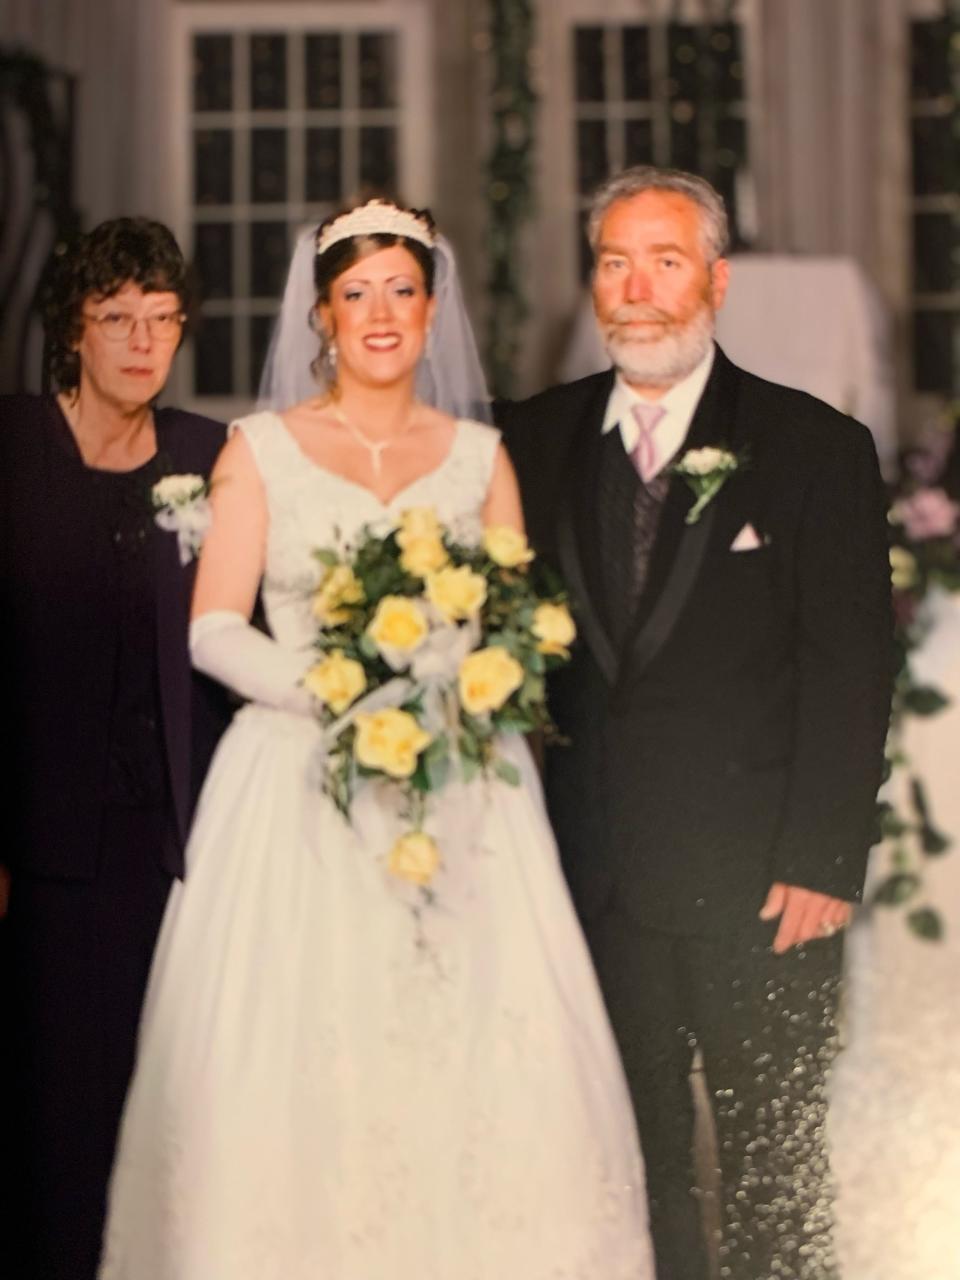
(766, 1027)
(78, 958)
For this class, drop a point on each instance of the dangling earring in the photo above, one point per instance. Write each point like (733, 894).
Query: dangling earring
(330, 360)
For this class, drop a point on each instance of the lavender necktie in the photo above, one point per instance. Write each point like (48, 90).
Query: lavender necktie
(644, 455)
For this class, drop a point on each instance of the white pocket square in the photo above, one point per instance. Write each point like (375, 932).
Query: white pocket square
(747, 539)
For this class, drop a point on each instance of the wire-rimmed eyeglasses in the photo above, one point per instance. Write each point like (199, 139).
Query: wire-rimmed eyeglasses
(118, 326)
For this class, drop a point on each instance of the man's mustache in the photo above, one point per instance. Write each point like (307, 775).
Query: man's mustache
(635, 313)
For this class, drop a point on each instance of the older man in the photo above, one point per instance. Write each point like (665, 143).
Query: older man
(724, 539)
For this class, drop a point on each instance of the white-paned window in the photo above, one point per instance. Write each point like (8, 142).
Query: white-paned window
(624, 84)
(935, 200)
(287, 112)
(651, 90)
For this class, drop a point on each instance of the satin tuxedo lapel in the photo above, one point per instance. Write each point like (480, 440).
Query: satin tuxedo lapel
(679, 549)
(578, 543)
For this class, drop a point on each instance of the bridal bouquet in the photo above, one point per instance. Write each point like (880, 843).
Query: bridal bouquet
(429, 648)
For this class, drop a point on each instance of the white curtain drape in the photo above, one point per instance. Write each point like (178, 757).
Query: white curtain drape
(831, 154)
(117, 49)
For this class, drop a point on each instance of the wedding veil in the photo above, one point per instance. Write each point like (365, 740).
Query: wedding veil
(449, 376)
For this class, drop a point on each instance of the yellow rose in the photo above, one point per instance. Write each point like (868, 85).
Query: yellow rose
(399, 624)
(487, 679)
(389, 740)
(415, 858)
(457, 593)
(423, 555)
(338, 589)
(418, 522)
(506, 547)
(553, 628)
(336, 680)
(903, 566)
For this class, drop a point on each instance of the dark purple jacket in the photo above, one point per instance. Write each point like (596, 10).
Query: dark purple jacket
(57, 647)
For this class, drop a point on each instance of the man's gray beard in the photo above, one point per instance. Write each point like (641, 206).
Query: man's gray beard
(669, 359)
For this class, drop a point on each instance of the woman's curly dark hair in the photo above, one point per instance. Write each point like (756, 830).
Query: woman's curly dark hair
(97, 265)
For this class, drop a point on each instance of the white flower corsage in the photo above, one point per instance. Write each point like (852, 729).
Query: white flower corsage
(706, 471)
(182, 506)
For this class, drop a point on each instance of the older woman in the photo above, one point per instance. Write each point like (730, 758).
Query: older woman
(111, 731)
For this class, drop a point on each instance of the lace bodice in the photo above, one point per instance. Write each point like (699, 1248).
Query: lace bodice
(310, 507)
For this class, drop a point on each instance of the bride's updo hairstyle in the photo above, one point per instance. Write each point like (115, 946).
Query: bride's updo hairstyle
(347, 237)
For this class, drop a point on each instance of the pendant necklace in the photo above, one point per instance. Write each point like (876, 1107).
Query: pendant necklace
(375, 448)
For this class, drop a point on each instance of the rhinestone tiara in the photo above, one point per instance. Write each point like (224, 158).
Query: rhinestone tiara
(376, 217)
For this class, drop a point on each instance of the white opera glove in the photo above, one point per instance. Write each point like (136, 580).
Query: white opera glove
(225, 646)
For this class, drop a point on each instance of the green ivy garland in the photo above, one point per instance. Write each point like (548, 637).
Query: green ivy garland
(919, 564)
(924, 557)
(953, 18)
(510, 183)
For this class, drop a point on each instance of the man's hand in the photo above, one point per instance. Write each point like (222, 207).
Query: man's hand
(804, 915)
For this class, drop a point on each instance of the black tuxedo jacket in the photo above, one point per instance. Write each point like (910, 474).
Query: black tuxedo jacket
(58, 627)
(736, 737)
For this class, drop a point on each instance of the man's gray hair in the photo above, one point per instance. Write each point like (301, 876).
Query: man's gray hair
(647, 177)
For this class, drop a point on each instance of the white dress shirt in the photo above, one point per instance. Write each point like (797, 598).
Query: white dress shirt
(679, 403)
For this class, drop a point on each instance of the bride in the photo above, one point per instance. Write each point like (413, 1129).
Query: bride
(316, 1096)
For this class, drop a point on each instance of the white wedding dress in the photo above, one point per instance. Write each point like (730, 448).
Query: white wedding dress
(316, 1096)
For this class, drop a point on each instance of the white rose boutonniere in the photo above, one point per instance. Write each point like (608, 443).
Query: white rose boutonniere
(706, 471)
(181, 505)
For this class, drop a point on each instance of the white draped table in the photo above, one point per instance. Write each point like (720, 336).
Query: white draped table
(895, 1103)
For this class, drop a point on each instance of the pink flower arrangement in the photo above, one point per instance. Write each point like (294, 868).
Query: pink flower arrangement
(925, 514)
